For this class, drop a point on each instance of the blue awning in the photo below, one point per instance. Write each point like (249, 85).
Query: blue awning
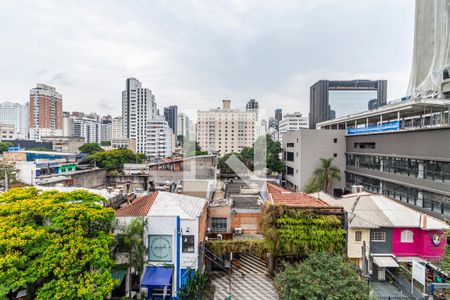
(157, 277)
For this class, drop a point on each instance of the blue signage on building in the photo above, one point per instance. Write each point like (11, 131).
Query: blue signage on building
(394, 125)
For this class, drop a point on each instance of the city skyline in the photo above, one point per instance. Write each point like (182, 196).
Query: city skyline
(191, 56)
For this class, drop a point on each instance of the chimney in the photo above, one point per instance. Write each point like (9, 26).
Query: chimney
(226, 104)
(423, 221)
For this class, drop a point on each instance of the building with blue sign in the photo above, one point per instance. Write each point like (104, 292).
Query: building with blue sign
(174, 235)
(402, 151)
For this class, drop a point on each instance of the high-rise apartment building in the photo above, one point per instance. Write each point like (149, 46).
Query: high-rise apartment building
(252, 104)
(67, 124)
(45, 112)
(138, 107)
(226, 130)
(158, 138)
(430, 72)
(335, 99)
(292, 122)
(278, 114)
(116, 128)
(171, 116)
(15, 114)
(183, 125)
(87, 128)
(106, 129)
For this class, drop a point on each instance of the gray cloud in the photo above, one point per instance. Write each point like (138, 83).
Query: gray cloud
(194, 53)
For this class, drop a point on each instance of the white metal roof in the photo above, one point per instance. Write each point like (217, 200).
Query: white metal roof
(385, 261)
(384, 212)
(170, 204)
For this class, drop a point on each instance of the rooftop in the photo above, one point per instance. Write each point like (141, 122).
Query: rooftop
(368, 210)
(164, 204)
(281, 196)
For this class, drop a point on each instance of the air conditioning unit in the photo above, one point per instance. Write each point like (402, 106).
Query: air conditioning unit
(238, 230)
(357, 189)
(219, 237)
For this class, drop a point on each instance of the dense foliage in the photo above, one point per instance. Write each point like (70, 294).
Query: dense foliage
(321, 276)
(445, 263)
(291, 231)
(116, 158)
(253, 246)
(325, 174)
(4, 146)
(55, 245)
(90, 148)
(195, 287)
(271, 162)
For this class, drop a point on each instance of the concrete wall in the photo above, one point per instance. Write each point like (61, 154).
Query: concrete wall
(90, 179)
(426, 143)
(354, 248)
(309, 146)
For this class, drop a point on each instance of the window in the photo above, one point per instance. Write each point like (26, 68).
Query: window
(289, 144)
(364, 145)
(334, 154)
(290, 156)
(335, 140)
(378, 236)
(188, 244)
(358, 236)
(289, 171)
(407, 236)
(219, 224)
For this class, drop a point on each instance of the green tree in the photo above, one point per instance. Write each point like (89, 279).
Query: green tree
(326, 173)
(90, 148)
(132, 240)
(116, 158)
(445, 263)
(271, 162)
(8, 169)
(4, 146)
(312, 186)
(55, 245)
(195, 287)
(321, 276)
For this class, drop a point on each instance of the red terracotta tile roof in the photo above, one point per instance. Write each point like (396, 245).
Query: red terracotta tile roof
(139, 207)
(282, 196)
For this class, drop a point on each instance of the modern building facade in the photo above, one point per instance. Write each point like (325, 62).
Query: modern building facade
(171, 116)
(252, 104)
(302, 151)
(402, 151)
(331, 99)
(138, 107)
(45, 112)
(15, 114)
(226, 130)
(158, 139)
(278, 114)
(116, 128)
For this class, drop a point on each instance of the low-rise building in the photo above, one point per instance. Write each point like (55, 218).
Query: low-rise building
(302, 151)
(7, 132)
(65, 143)
(174, 235)
(383, 233)
(123, 143)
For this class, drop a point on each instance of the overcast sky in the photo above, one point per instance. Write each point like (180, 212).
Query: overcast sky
(195, 53)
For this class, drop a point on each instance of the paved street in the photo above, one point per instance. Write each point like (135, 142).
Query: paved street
(254, 284)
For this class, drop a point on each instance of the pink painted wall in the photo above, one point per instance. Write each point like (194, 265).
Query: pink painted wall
(421, 246)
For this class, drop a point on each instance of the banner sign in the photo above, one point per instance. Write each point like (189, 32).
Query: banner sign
(394, 125)
(418, 272)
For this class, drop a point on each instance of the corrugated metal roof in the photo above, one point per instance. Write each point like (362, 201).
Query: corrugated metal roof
(383, 212)
(169, 204)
